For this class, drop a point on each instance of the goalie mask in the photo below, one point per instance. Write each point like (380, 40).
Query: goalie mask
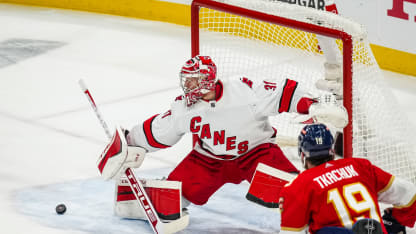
(315, 141)
(197, 77)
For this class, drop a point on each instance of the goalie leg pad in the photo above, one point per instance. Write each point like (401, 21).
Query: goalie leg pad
(164, 195)
(266, 185)
(125, 203)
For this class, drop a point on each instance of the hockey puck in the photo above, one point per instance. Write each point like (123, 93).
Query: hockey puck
(60, 209)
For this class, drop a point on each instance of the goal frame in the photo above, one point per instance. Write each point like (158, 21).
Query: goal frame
(311, 28)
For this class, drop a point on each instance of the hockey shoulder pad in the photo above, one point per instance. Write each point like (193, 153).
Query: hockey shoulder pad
(118, 156)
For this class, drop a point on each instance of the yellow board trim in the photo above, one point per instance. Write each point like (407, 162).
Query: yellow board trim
(388, 59)
(145, 9)
(395, 60)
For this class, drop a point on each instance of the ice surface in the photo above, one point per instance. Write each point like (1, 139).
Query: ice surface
(89, 208)
(50, 138)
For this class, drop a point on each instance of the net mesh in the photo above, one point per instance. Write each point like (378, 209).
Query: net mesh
(241, 46)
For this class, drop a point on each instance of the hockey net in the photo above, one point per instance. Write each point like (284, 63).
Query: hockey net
(271, 40)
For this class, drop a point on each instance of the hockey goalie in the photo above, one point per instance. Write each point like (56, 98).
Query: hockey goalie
(232, 135)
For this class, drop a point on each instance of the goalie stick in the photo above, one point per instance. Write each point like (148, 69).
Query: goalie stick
(143, 200)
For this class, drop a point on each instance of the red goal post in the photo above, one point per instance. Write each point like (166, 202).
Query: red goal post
(266, 25)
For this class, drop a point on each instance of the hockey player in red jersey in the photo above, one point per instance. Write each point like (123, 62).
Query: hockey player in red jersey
(337, 193)
(230, 127)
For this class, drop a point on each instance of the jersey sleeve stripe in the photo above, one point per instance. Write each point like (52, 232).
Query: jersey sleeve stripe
(293, 229)
(287, 95)
(388, 185)
(408, 204)
(147, 128)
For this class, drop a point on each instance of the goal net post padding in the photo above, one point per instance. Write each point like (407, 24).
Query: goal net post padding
(272, 40)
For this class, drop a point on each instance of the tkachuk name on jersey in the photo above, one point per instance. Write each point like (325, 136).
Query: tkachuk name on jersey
(335, 175)
(317, 4)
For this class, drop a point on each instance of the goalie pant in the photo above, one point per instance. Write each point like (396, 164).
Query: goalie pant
(208, 174)
(339, 192)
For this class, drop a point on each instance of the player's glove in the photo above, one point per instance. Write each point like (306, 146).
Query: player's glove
(326, 110)
(391, 224)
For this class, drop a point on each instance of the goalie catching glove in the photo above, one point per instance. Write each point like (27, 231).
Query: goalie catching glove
(118, 156)
(326, 110)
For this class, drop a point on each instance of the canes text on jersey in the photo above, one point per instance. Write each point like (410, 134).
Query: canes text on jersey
(218, 137)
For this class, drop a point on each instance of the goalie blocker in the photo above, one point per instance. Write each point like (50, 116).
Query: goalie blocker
(266, 185)
(118, 156)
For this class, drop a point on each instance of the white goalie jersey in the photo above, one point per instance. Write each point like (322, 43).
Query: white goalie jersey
(228, 127)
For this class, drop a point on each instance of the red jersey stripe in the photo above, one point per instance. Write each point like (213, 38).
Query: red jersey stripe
(287, 95)
(147, 128)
